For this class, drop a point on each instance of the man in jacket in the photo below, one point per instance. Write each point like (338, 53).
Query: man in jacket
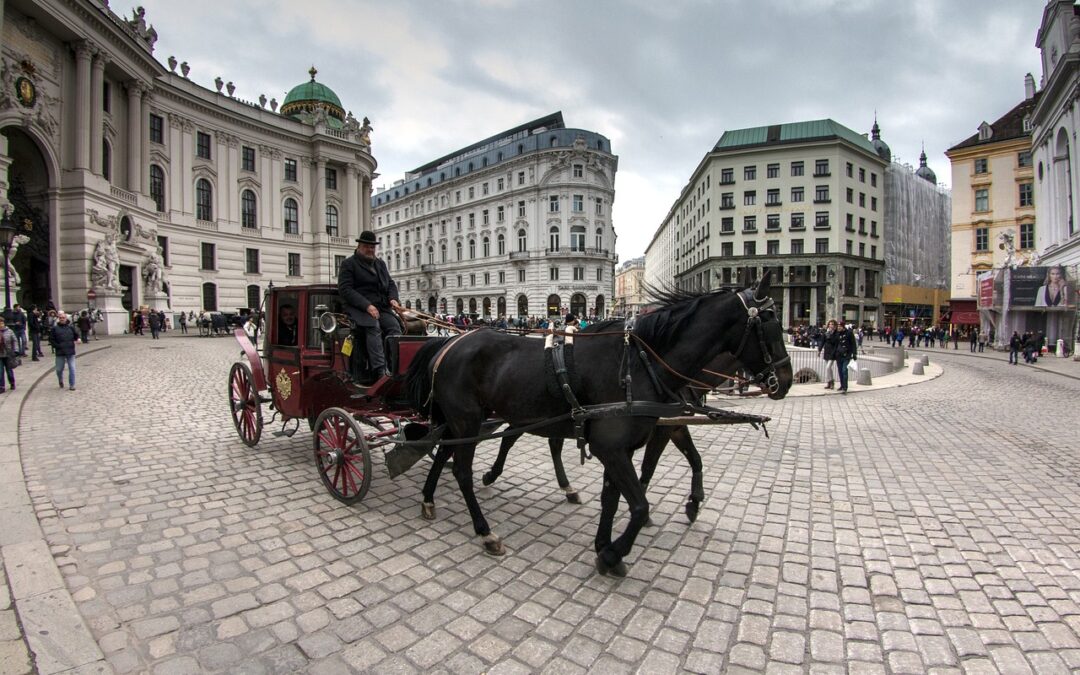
(63, 338)
(37, 326)
(85, 324)
(155, 324)
(1016, 343)
(370, 297)
(846, 350)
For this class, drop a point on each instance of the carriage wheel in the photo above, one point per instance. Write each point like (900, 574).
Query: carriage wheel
(341, 456)
(244, 404)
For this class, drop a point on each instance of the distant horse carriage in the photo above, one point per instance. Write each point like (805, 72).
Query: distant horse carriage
(607, 386)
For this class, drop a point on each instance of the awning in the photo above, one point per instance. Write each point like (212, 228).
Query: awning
(965, 317)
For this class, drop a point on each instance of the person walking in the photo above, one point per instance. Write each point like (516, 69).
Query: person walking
(36, 325)
(18, 327)
(973, 339)
(827, 351)
(846, 351)
(183, 323)
(1016, 343)
(84, 324)
(155, 325)
(9, 352)
(983, 339)
(63, 339)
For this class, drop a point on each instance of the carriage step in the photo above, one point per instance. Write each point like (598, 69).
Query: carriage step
(286, 431)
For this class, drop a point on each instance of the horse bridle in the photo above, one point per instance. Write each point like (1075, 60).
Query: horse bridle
(755, 307)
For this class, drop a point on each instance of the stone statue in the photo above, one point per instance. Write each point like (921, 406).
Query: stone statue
(320, 115)
(351, 125)
(15, 243)
(153, 271)
(105, 266)
(365, 132)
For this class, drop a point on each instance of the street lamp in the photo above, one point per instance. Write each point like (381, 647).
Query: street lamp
(8, 233)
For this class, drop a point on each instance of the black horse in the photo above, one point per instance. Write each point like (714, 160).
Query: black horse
(485, 373)
(654, 448)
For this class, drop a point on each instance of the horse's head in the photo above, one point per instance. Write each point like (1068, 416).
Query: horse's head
(762, 350)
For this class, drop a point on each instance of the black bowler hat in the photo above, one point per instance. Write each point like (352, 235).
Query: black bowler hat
(367, 237)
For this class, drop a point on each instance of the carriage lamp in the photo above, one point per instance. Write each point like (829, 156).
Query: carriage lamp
(8, 232)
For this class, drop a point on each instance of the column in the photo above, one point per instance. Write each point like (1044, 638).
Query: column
(84, 51)
(144, 157)
(365, 203)
(135, 122)
(97, 78)
(320, 195)
(352, 196)
(789, 318)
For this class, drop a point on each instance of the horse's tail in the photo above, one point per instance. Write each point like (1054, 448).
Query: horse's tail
(419, 378)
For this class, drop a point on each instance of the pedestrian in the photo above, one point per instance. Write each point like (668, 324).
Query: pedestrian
(973, 339)
(846, 351)
(84, 325)
(63, 338)
(9, 355)
(1016, 343)
(18, 327)
(983, 339)
(36, 325)
(155, 325)
(827, 351)
(183, 323)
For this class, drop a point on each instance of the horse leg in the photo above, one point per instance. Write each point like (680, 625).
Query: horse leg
(427, 508)
(619, 469)
(463, 458)
(556, 446)
(685, 444)
(500, 461)
(655, 447)
(609, 506)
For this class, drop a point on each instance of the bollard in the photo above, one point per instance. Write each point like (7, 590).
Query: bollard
(917, 369)
(925, 360)
(864, 377)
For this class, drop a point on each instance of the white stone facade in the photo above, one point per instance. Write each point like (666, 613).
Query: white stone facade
(518, 224)
(115, 142)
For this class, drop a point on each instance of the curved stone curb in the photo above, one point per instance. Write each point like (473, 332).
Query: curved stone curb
(51, 625)
(900, 378)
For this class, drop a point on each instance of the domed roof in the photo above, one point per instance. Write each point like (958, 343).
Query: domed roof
(880, 146)
(305, 99)
(925, 172)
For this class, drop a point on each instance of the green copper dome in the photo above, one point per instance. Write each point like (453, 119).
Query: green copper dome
(304, 100)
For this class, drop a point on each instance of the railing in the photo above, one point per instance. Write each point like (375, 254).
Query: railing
(340, 241)
(519, 255)
(429, 268)
(336, 133)
(254, 229)
(294, 237)
(206, 225)
(803, 359)
(586, 252)
(129, 197)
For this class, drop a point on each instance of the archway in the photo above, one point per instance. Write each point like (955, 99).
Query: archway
(500, 307)
(599, 307)
(523, 305)
(460, 306)
(472, 307)
(577, 305)
(554, 305)
(487, 308)
(431, 304)
(29, 181)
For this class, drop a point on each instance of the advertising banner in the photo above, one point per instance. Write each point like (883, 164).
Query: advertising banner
(986, 290)
(1041, 288)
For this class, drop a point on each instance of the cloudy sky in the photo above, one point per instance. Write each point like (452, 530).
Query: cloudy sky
(662, 80)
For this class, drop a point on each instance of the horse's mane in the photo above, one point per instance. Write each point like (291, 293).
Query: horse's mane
(662, 326)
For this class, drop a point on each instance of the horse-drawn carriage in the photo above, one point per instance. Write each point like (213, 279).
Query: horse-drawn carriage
(455, 392)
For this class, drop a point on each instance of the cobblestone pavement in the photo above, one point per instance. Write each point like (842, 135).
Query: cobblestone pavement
(928, 528)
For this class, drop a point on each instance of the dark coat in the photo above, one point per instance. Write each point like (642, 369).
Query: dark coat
(62, 337)
(155, 321)
(361, 285)
(846, 346)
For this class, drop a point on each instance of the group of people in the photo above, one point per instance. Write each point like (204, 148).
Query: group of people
(16, 326)
(1030, 344)
(153, 320)
(839, 346)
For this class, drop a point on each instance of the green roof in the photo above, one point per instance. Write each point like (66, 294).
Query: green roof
(796, 132)
(312, 91)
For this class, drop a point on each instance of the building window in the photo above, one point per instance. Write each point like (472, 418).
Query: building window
(486, 247)
(521, 209)
(727, 249)
(749, 198)
(331, 220)
(1027, 194)
(599, 206)
(749, 224)
(797, 194)
(982, 165)
(106, 96)
(163, 244)
(849, 247)
(772, 197)
(873, 252)
(796, 246)
(579, 171)
(247, 158)
(442, 254)
(873, 203)
(577, 238)
(797, 169)
(157, 187)
(203, 198)
(749, 248)
(727, 225)
(521, 276)
(208, 259)
(982, 199)
(458, 248)
(982, 238)
(579, 203)
(798, 221)
(553, 239)
(331, 178)
(821, 168)
(209, 296)
(472, 279)
(849, 222)
(873, 180)
(553, 204)
(485, 219)
(850, 170)
(850, 198)
(500, 214)
(873, 228)
(521, 240)
(500, 244)
(862, 225)
(772, 247)
(821, 220)
(579, 274)
(1027, 235)
(251, 260)
(157, 129)
(294, 264)
(772, 222)
(749, 172)
(290, 170)
(553, 273)
(727, 176)
(772, 170)
(106, 160)
(821, 194)
(499, 184)
(821, 246)
(292, 217)
(202, 145)
(1023, 159)
(521, 177)
(862, 175)
(862, 250)
(862, 200)
(472, 249)
(247, 209)
(727, 200)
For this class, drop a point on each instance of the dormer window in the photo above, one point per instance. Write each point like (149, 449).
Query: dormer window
(985, 131)
(1027, 124)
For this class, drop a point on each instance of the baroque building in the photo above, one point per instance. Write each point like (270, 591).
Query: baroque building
(803, 200)
(135, 186)
(518, 224)
(630, 295)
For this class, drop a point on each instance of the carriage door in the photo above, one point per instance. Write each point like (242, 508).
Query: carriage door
(284, 353)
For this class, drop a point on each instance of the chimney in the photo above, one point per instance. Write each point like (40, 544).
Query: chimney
(1029, 87)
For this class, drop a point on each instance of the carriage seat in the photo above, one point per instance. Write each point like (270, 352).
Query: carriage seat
(400, 350)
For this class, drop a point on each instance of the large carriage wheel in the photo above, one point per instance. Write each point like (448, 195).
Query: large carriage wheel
(342, 456)
(244, 404)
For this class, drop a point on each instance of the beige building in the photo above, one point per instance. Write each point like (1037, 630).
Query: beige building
(993, 205)
(660, 254)
(516, 225)
(134, 185)
(630, 294)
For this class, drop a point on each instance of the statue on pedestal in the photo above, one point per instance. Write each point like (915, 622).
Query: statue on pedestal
(19, 240)
(365, 132)
(105, 265)
(153, 271)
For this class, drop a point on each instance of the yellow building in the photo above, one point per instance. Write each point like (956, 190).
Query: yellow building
(629, 288)
(993, 206)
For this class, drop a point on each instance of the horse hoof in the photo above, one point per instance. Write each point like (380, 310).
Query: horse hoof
(573, 497)
(648, 522)
(427, 510)
(617, 570)
(692, 510)
(488, 479)
(493, 546)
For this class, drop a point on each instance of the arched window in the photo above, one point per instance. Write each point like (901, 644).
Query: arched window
(501, 244)
(460, 306)
(472, 249)
(106, 160)
(554, 305)
(458, 246)
(442, 252)
(431, 257)
(487, 247)
(577, 238)
(472, 305)
(500, 306)
(157, 187)
(209, 296)
(204, 200)
(292, 217)
(406, 258)
(331, 220)
(523, 305)
(487, 307)
(600, 307)
(247, 209)
(599, 239)
(408, 304)
(397, 261)
(521, 240)
(553, 239)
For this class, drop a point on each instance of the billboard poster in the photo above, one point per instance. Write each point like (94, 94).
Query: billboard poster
(986, 290)
(1041, 288)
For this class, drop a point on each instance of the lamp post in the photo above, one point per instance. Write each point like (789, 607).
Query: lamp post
(7, 236)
